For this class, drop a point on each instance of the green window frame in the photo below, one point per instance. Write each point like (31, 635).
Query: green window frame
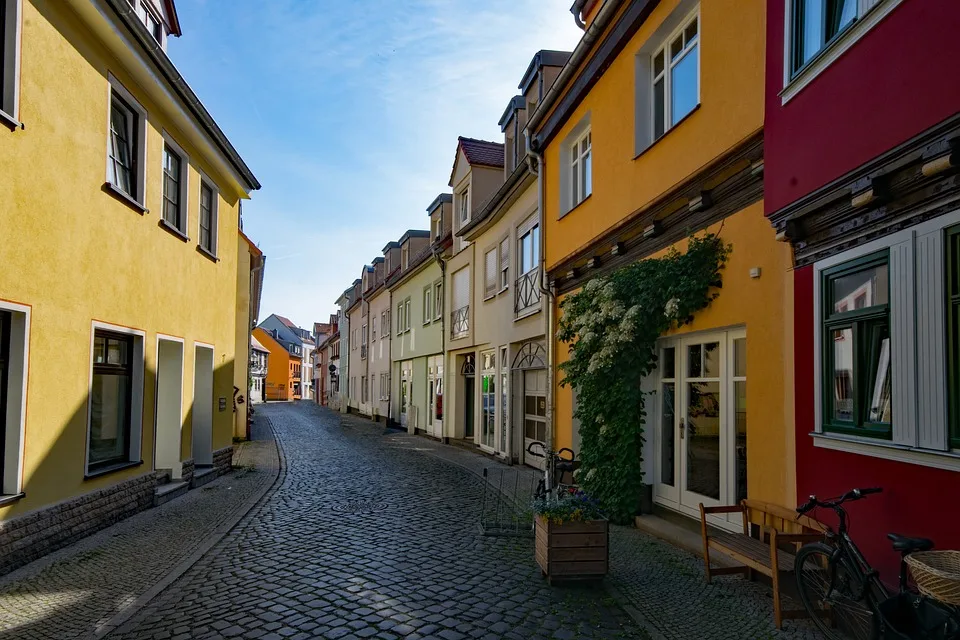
(856, 348)
(952, 241)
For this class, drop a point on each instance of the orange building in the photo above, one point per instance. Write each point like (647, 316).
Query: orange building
(280, 368)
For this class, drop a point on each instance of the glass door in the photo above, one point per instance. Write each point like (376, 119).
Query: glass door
(534, 413)
(703, 422)
(488, 400)
(665, 424)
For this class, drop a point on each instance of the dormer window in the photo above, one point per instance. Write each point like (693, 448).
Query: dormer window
(463, 206)
(149, 19)
(437, 227)
(404, 257)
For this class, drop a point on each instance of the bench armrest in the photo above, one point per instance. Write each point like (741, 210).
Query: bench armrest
(729, 509)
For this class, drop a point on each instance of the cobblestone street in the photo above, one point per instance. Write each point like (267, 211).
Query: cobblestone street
(372, 533)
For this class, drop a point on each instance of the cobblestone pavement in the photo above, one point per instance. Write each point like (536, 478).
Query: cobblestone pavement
(367, 537)
(70, 593)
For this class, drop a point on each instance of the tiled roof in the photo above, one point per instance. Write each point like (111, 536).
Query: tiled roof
(286, 321)
(482, 152)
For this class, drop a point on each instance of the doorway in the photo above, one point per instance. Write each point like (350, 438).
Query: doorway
(202, 423)
(435, 382)
(468, 370)
(700, 421)
(169, 419)
(534, 414)
(406, 391)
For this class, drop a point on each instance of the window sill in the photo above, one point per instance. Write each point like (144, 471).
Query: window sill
(489, 296)
(172, 229)
(833, 51)
(526, 313)
(10, 121)
(120, 466)
(666, 133)
(212, 256)
(574, 208)
(948, 460)
(11, 498)
(124, 197)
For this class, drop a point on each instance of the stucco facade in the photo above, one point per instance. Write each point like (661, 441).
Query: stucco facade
(109, 286)
(648, 188)
(378, 351)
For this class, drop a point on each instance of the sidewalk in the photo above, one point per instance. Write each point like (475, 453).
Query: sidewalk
(659, 585)
(78, 591)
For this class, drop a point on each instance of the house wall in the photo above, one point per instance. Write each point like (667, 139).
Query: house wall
(279, 382)
(81, 255)
(731, 84)
(863, 104)
(357, 366)
(378, 359)
(241, 372)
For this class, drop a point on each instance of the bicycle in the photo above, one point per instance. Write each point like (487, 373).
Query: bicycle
(843, 593)
(555, 470)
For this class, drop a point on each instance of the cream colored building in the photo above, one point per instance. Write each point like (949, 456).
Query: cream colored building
(377, 299)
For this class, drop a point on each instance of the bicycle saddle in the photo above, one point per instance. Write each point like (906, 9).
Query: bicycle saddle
(909, 545)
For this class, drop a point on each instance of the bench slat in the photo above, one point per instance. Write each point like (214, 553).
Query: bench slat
(750, 549)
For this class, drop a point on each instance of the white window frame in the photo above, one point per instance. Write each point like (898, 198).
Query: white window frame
(438, 226)
(400, 318)
(581, 187)
(406, 314)
(667, 76)
(920, 425)
(214, 214)
(504, 258)
(869, 14)
(404, 257)
(463, 207)
(565, 183)
(184, 187)
(437, 299)
(491, 273)
(14, 422)
(139, 153)
(427, 304)
(136, 392)
(10, 41)
(145, 11)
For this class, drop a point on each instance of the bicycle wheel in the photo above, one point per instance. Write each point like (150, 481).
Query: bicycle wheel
(833, 594)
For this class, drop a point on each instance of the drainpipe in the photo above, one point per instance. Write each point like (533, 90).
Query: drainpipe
(576, 10)
(536, 164)
(443, 329)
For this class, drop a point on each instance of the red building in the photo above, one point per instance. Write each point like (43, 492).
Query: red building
(862, 146)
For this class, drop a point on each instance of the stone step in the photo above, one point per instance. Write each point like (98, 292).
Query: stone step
(202, 475)
(167, 492)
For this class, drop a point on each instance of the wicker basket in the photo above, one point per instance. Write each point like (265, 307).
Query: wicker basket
(937, 574)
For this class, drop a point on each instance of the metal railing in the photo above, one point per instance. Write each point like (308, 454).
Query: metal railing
(460, 322)
(527, 291)
(363, 352)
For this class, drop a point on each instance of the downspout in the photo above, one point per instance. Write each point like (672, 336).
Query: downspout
(443, 329)
(576, 10)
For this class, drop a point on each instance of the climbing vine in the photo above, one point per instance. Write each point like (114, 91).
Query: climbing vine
(611, 327)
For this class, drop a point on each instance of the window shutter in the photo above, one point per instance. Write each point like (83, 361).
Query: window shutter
(461, 288)
(490, 272)
(504, 253)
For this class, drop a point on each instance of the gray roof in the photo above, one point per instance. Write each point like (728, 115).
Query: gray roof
(439, 200)
(516, 103)
(543, 58)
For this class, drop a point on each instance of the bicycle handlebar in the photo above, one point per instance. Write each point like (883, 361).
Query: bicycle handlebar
(544, 452)
(853, 494)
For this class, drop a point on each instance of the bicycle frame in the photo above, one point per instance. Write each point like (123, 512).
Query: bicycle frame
(847, 550)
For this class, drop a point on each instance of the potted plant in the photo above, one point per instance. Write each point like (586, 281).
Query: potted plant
(572, 537)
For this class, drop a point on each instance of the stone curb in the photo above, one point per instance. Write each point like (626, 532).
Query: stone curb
(229, 523)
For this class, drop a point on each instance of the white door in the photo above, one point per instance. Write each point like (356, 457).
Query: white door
(406, 391)
(534, 414)
(700, 421)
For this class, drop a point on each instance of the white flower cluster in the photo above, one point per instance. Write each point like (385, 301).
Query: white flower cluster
(672, 308)
(608, 321)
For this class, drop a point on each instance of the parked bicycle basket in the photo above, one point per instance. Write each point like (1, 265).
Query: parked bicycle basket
(937, 574)
(908, 617)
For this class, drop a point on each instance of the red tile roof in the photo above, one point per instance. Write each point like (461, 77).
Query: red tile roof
(482, 152)
(287, 322)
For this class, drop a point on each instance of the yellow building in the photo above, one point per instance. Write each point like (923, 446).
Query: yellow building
(654, 131)
(119, 285)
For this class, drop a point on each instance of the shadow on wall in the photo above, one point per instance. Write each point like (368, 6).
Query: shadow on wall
(63, 475)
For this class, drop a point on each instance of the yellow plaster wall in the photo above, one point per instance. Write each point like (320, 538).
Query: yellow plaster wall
(75, 254)
(759, 305)
(731, 109)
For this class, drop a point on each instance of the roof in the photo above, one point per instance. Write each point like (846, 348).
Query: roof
(256, 346)
(516, 103)
(391, 245)
(482, 152)
(285, 321)
(443, 198)
(414, 233)
(254, 249)
(543, 58)
(509, 191)
(377, 260)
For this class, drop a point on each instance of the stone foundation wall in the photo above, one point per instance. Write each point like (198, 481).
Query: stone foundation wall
(40, 532)
(188, 469)
(223, 460)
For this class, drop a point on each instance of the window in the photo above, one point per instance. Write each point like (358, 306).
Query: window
(438, 226)
(150, 21)
(504, 391)
(123, 142)
(384, 323)
(405, 257)
(463, 207)
(581, 172)
(528, 247)
(174, 183)
(9, 58)
(406, 314)
(111, 399)
(399, 318)
(490, 273)
(856, 347)
(676, 77)
(373, 330)
(460, 316)
(208, 218)
(427, 304)
(816, 23)
(488, 399)
(505, 264)
(437, 299)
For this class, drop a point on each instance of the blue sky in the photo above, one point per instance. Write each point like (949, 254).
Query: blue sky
(348, 113)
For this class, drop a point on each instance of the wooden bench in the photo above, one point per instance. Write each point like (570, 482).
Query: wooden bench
(767, 529)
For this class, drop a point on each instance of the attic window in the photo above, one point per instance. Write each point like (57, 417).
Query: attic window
(404, 257)
(149, 19)
(463, 207)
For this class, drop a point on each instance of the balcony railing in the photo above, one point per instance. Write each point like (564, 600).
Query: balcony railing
(460, 322)
(527, 291)
(363, 352)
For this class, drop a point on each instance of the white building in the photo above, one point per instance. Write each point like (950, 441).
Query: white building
(258, 370)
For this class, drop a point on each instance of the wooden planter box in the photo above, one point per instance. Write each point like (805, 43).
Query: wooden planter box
(573, 550)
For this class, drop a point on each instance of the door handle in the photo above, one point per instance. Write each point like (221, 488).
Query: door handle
(683, 428)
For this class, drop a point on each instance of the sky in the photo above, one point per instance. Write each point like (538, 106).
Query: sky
(348, 114)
